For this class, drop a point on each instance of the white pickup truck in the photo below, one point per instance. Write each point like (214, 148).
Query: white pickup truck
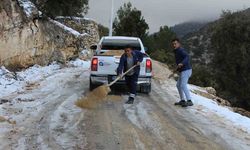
(107, 57)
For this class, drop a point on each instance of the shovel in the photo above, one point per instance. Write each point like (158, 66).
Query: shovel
(120, 77)
(98, 95)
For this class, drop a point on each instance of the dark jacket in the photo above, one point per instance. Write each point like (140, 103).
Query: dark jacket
(181, 56)
(137, 56)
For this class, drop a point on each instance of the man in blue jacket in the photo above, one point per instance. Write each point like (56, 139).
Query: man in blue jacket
(128, 60)
(185, 69)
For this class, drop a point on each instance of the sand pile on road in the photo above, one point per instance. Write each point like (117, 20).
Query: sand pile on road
(93, 98)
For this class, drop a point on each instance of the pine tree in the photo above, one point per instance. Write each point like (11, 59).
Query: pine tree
(103, 31)
(159, 45)
(130, 22)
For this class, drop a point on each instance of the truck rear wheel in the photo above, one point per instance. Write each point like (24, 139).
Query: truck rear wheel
(91, 85)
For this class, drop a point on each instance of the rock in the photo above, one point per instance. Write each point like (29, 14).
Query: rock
(222, 101)
(2, 101)
(26, 39)
(82, 25)
(212, 97)
(204, 94)
(210, 90)
(2, 119)
(242, 111)
(58, 56)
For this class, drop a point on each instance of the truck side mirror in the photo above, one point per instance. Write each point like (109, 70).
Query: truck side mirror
(94, 47)
(145, 48)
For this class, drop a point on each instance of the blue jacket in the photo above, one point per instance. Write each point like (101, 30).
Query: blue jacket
(181, 56)
(137, 56)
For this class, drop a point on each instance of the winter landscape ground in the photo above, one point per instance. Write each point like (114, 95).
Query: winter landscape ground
(37, 111)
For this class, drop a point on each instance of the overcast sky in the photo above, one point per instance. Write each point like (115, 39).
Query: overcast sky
(167, 12)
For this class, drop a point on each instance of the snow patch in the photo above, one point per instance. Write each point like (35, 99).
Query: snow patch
(209, 107)
(80, 63)
(28, 7)
(75, 18)
(27, 107)
(14, 82)
(68, 29)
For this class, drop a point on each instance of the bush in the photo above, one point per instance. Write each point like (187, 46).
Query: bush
(231, 57)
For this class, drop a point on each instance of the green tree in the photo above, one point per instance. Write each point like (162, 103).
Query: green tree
(231, 44)
(53, 8)
(130, 22)
(161, 39)
(159, 45)
(103, 31)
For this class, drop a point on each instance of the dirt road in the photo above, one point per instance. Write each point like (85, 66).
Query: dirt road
(46, 118)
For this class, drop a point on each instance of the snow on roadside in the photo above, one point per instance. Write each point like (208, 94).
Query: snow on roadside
(68, 29)
(29, 106)
(80, 63)
(222, 111)
(9, 82)
(209, 107)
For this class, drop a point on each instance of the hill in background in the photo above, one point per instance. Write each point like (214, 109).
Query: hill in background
(185, 28)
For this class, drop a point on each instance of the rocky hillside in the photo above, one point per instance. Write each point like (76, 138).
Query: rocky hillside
(27, 37)
(199, 42)
(185, 28)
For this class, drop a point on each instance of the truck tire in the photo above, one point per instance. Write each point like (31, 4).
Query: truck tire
(91, 85)
(146, 88)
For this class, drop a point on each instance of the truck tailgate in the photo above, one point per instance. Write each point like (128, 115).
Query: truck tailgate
(107, 65)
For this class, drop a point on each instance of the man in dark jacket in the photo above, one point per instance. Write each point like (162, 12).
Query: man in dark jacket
(185, 69)
(128, 60)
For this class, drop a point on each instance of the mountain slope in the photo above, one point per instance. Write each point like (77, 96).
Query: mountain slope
(185, 28)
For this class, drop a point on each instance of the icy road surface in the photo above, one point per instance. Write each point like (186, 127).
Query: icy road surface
(43, 116)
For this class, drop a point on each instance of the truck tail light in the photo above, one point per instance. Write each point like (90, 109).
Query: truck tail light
(94, 64)
(148, 66)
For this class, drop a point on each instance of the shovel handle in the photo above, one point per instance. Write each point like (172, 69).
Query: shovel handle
(174, 72)
(119, 77)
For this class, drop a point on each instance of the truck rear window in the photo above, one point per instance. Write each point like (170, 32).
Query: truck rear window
(117, 44)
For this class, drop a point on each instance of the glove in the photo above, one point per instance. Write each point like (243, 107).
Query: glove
(119, 76)
(180, 65)
(117, 73)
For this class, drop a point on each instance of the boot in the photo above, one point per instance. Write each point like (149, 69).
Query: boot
(181, 102)
(130, 100)
(189, 103)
